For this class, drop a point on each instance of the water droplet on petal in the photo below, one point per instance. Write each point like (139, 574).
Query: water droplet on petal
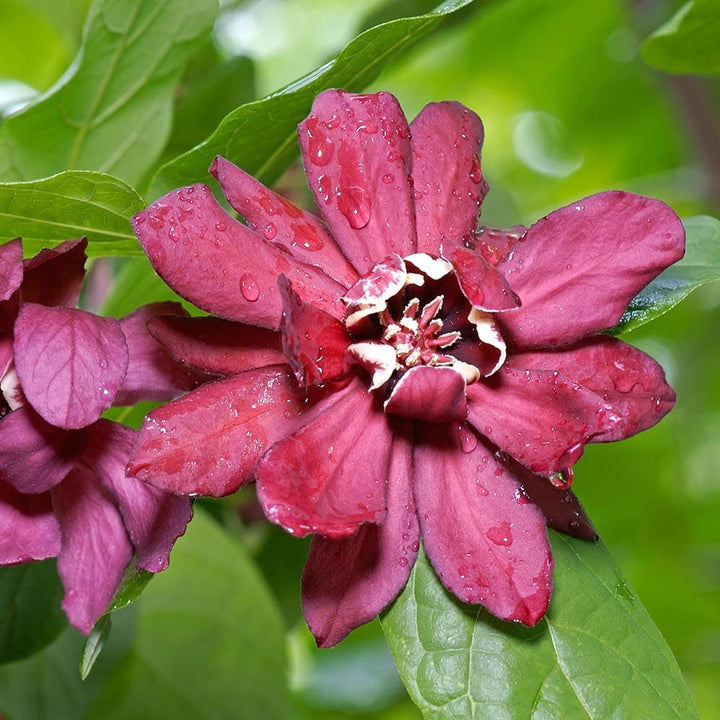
(388, 178)
(500, 535)
(248, 287)
(325, 186)
(321, 148)
(403, 561)
(220, 227)
(173, 233)
(354, 203)
(467, 438)
(475, 171)
(270, 231)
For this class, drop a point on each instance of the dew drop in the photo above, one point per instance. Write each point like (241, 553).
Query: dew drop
(467, 438)
(500, 534)
(325, 186)
(475, 171)
(306, 236)
(562, 478)
(173, 233)
(414, 547)
(270, 231)
(368, 127)
(403, 561)
(321, 148)
(248, 287)
(388, 178)
(354, 203)
(481, 490)
(220, 227)
(332, 122)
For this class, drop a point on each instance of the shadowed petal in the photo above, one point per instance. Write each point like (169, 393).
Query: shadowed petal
(434, 394)
(577, 269)
(55, 276)
(28, 528)
(329, 477)
(347, 582)
(448, 182)
(221, 265)
(71, 363)
(356, 152)
(485, 539)
(11, 268)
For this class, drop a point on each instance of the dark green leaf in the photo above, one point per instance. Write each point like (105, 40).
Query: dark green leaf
(700, 265)
(94, 645)
(112, 111)
(260, 136)
(689, 42)
(596, 654)
(70, 205)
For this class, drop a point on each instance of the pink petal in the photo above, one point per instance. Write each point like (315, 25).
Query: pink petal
(152, 373)
(356, 152)
(35, 456)
(578, 268)
(55, 276)
(154, 519)
(208, 442)
(282, 222)
(71, 363)
(625, 377)
(486, 541)
(449, 185)
(11, 268)
(215, 345)
(347, 582)
(538, 417)
(481, 283)
(329, 476)
(221, 265)
(434, 394)
(95, 547)
(313, 341)
(28, 528)
(495, 245)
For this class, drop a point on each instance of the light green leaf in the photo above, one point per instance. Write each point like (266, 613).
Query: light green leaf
(689, 42)
(112, 110)
(595, 655)
(94, 645)
(70, 205)
(261, 137)
(700, 265)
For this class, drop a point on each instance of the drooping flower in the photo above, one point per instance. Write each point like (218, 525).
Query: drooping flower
(63, 488)
(395, 375)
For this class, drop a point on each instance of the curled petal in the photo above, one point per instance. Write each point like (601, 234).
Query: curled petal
(434, 394)
(55, 276)
(494, 551)
(11, 268)
(322, 479)
(356, 152)
(448, 182)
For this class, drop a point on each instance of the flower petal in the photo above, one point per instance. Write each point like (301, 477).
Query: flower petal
(356, 152)
(434, 394)
(494, 244)
(347, 582)
(11, 268)
(538, 417)
(282, 222)
(323, 479)
(95, 547)
(486, 541)
(35, 456)
(449, 185)
(578, 268)
(221, 265)
(314, 342)
(55, 276)
(71, 363)
(154, 519)
(28, 528)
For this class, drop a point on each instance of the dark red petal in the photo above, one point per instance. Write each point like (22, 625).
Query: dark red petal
(55, 277)
(494, 244)
(329, 476)
(28, 528)
(434, 394)
(347, 582)
(11, 268)
(578, 268)
(221, 265)
(71, 363)
(449, 185)
(282, 222)
(625, 377)
(485, 539)
(539, 417)
(356, 152)
(95, 547)
(154, 519)
(208, 442)
(215, 345)
(313, 341)
(481, 283)
(35, 456)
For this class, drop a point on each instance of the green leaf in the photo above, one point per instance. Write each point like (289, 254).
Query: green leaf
(70, 205)
(596, 654)
(112, 110)
(700, 265)
(261, 136)
(30, 614)
(208, 643)
(94, 645)
(688, 43)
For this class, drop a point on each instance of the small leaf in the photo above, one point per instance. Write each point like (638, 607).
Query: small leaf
(132, 584)
(688, 43)
(71, 205)
(94, 645)
(261, 137)
(700, 265)
(596, 654)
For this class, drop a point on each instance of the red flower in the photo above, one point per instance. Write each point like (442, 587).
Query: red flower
(400, 375)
